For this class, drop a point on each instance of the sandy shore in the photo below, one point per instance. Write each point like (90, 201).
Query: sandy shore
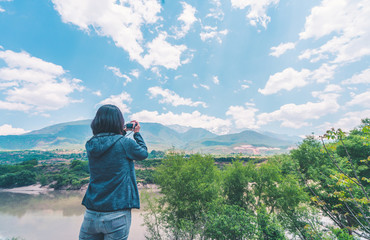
(32, 189)
(38, 189)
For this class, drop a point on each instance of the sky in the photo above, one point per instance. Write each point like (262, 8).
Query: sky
(284, 66)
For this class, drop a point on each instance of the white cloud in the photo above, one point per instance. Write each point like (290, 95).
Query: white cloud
(256, 10)
(216, 80)
(245, 84)
(281, 49)
(119, 100)
(244, 117)
(289, 78)
(205, 86)
(156, 71)
(295, 116)
(7, 129)
(109, 18)
(2, 9)
(4, 85)
(14, 106)
(194, 119)
(363, 77)
(194, 85)
(43, 96)
(122, 21)
(216, 12)
(209, 33)
(331, 88)
(135, 73)
(347, 21)
(172, 98)
(188, 18)
(118, 73)
(362, 99)
(28, 75)
(32, 83)
(25, 61)
(162, 53)
(97, 93)
(324, 73)
(350, 120)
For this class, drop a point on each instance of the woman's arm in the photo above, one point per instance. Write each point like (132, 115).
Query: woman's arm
(137, 150)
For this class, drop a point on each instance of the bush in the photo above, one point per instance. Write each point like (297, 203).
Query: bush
(342, 234)
(229, 222)
(268, 227)
(146, 175)
(18, 179)
(189, 186)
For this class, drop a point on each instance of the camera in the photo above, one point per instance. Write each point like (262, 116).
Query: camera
(130, 126)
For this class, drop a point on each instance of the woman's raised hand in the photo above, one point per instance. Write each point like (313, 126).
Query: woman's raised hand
(137, 126)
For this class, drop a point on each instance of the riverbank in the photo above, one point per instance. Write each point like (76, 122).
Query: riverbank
(31, 189)
(39, 189)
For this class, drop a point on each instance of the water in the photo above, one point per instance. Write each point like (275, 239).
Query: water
(54, 215)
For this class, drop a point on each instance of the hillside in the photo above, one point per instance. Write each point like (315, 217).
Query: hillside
(73, 135)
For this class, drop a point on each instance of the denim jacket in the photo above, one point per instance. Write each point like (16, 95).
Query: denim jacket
(112, 184)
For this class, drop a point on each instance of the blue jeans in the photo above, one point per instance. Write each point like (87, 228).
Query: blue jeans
(106, 225)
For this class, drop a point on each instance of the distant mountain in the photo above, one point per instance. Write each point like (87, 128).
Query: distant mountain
(179, 128)
(247, 141)
(247, 137)
(160, 137)
(195, 134)
(283, 136)
(64, 135)
(66, 129)
(73, 135)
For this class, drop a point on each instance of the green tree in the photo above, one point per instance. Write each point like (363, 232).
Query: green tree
(236, 183)
(188, 186)
(335, 175)
(225, 221)
(268, 226)
(18, 179)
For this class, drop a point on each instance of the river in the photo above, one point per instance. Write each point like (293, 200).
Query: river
(53, 215)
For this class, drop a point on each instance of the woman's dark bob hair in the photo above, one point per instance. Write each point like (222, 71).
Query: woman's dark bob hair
(108, 119)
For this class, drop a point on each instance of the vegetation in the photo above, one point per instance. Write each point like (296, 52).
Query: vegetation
(335, 174)
(18, 175)
(284, 197)
(14, 157)
(68, 170)
(58, 169)
(145, 176)
(68, 176)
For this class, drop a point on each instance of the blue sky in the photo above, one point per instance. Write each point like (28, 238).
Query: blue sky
(293, 67)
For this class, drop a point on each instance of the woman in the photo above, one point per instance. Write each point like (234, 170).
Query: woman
(112, 191)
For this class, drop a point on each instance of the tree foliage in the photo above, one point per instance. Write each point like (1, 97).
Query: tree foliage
(285, 196)
(18, 175)
(242, 201)
(335, 173)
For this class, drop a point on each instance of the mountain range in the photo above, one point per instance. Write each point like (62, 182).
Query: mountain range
(73, 135)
